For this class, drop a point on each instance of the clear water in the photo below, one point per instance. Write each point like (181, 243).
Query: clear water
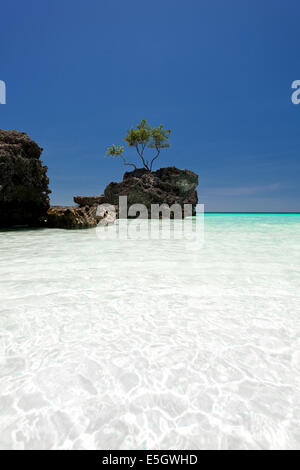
(150, 345)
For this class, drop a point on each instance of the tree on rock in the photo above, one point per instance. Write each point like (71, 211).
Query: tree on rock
(142, 138)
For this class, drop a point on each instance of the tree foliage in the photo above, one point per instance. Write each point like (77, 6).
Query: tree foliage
(142, 138)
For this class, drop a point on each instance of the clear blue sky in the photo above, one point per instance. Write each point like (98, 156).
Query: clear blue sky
(218, 73)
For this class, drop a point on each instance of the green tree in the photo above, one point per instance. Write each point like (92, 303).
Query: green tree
(142, 138)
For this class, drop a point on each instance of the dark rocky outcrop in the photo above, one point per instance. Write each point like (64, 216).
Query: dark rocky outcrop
(24, 193)
(165, 186)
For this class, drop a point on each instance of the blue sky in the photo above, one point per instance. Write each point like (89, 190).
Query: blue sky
(219, 74)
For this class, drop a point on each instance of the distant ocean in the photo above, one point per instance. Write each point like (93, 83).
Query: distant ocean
(149, 345)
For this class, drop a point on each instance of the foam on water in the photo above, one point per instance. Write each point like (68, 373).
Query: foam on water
(150, 345)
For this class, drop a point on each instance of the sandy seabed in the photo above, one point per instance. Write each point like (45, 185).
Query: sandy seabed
(121, 344)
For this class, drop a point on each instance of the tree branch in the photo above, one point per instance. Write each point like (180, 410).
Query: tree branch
(141, 156)
(126, 163)
(153, 159)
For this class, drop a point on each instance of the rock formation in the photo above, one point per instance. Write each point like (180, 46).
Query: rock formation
(90, 201)
(165, 186)
(80, 217)
(24, 189)
(71, 217)
(24, 193)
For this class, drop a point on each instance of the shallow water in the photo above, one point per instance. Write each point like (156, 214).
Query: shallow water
(116, 344)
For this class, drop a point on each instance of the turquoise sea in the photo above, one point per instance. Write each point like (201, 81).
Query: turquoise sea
(152, 344)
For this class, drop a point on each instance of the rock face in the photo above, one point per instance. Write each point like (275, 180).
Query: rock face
(165, 186)
(71, 217)
(80, 217)
(24, 189)
(24, 192)
(90, 201)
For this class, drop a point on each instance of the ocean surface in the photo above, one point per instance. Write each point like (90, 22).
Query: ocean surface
(152, 344)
